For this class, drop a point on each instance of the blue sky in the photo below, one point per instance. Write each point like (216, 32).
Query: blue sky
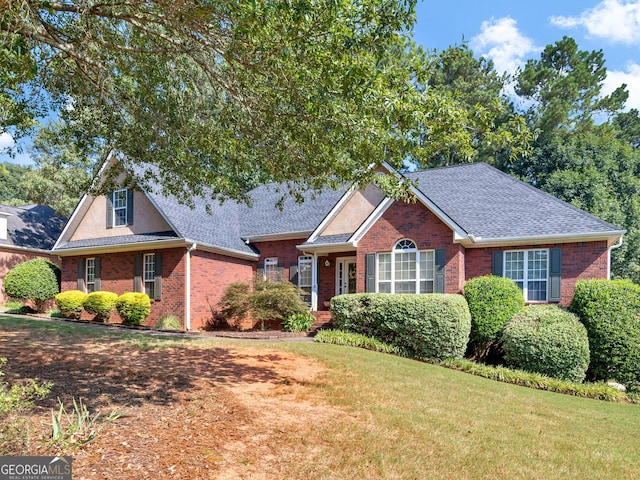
(512, 31)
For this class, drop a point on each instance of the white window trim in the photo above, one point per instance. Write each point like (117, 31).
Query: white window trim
(125, 208)
(86, 274)
(525, 280)
(306, 259)
(145, 271)
(270, 263)
(418, 253)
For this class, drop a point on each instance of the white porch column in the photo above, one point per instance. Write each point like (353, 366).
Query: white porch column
(187, 289)
(314, 283)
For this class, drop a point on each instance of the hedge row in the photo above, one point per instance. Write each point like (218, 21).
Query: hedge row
(133, 308)
(429, 326)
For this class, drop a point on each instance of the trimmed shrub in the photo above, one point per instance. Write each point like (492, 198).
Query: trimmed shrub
(133, 308)
(37, 280)
(428, 326)
(493, 301)
(169, 322)
(100, 304)
(298, 322)
(70, 303)
(610, 309)
(548, 340)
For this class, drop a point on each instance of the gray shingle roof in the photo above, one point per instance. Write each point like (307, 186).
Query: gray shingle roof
(32, 226)
(490, 204)
(263, 218)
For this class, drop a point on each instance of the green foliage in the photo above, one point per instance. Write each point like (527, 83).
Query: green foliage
(169, 322)
(78, 428)
(598, 391)
(37, 280)
(610, 310)
(267, 300)
(71, 303)
(493, 301)
(298, 322)
(350, 339)
(548, 340)
(13, 306)
(430, 326)
(133, 308)
(14, 401)
(100, 304)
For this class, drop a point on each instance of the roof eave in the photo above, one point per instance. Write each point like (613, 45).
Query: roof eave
(470, 241)
(270, 237)
(120, 247)
(326, 248)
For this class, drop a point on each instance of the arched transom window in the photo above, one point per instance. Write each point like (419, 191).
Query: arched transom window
(406, 269)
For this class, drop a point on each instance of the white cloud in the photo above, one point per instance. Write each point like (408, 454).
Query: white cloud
(6, 140)
(615, 20)
(501, 41)
(631, 77)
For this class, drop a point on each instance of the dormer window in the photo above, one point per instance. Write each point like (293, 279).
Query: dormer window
(120, 208)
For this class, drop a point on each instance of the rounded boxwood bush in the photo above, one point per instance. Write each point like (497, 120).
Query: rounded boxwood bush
(548, 340)
(493, 301)
(100, 304)
(429, 326)
(37, 280)
(133, 308)
(70, 303)
(610, 310)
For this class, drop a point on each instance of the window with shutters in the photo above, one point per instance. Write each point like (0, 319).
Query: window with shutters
(120, 208)
(90, 275)
(530, 270)
(149, 274)
(271, 272)
(305, 265)
(406, 269)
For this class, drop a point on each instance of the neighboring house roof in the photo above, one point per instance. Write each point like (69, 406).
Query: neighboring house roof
(491, 205)
(33, 227)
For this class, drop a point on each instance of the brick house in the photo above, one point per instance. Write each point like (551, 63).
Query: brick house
(467, 221)
(26, 232)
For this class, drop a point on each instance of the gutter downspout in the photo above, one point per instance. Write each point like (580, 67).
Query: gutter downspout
(314, 283)
(618, 244)
(187, 293)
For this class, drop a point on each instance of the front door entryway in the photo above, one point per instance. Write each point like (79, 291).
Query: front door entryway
(345, 275)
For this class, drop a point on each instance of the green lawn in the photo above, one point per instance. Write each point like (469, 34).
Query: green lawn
(399, 418)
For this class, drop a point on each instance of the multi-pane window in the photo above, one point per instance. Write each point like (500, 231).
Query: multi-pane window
(120, 208)
(90, 275)
(149, 274)
(271, 273)
(406, 269)
(530, 270)
(305, 265)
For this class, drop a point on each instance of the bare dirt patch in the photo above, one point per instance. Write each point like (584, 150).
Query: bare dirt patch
(194, 413)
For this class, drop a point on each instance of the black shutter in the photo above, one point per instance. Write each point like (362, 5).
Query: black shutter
(109, 210)
(555, 271)
(137, 273)
(260, 273)
(441, 260)
(293, 273)
(370, 272)
(98, 273)
(130, 206)
(81, 274)
(157, 293)
(497, 263)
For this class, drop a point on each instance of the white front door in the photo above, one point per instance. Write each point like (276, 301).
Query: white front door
(345, 275)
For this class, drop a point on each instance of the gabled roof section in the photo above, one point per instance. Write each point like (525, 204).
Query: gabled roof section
(262, 219)
(33, 227)
(491, 206)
